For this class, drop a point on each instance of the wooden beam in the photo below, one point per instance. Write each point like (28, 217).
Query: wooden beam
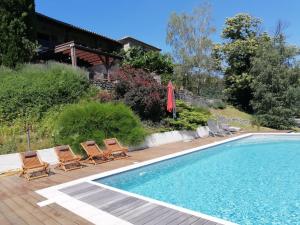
(73, 55)
(90, 57)
(66, 51)
(82, 54)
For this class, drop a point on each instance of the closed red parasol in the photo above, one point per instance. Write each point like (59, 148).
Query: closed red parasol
(171, 106)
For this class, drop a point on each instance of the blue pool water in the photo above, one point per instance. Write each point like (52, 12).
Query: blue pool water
(255, 180)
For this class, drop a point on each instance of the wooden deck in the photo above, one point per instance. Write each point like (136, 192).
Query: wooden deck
(18, 201)
(131, 209)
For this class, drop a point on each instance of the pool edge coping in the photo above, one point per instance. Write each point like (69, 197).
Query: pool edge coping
(48, 192)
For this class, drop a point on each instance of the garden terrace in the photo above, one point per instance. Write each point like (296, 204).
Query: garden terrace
(92, 56)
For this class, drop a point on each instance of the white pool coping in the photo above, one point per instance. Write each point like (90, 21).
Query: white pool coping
(89, 212)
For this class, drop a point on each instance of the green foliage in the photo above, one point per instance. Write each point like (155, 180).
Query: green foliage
(276, 84)
(96, 121)
(46, 125)
(13, 137)
(9, 146)
(218, 104)
(188, 117)
(242, 37)
(189, 37)
(242, 26)
(208, 86)
(33, 89)
(150, 61)
(17, 32)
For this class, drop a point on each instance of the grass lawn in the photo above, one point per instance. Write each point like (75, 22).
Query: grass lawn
(231, 112)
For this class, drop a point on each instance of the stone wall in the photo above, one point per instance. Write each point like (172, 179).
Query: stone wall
(171, 137)
(12, 162)
(103, 84)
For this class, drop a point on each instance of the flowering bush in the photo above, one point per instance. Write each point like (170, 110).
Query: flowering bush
(141, 92)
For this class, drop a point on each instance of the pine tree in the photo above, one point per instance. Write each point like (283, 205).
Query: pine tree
(276, 83)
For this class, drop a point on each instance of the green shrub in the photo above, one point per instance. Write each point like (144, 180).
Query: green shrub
(218, 104)
(9, 146)
(188, 117)
(47, 123)
(33, 89)
(96, 121)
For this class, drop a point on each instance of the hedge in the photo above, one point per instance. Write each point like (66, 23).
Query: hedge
(33, 89)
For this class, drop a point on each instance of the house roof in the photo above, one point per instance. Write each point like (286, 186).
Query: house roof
(128, 38)
(119, 42)
(77, 28)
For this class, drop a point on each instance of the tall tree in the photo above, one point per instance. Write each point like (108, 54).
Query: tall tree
(242, 36)
(189, 37)
(276, 82)
(150, 61)
(17, 31)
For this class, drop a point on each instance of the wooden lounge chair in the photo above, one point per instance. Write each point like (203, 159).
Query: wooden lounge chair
(95, 154)
(32, 166)
(67, 159)
(214, 129)
(115, 148)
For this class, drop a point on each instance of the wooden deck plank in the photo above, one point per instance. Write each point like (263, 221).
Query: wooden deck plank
(59, 214)
(156, 214)
(132, 207)
(21, 212)
(126, 206)
(11, 216)
(97, 195)
(203, 222)
(170, 218)
(134, 220)
(191, 220)
(33, 211)
(23, 192)
(138, 211)
(161, 218)
(120, 203)
(78, 188)
(180, 219)
(100, 198)
(4, 220)
(27, 202)
(84, 195)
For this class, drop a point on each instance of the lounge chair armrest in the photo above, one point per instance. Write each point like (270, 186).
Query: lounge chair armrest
(78, 157)
(32, 167)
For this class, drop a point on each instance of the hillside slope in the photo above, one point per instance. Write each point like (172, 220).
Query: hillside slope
(239, 119)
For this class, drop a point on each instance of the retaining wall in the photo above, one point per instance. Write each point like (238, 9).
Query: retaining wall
(10, 162)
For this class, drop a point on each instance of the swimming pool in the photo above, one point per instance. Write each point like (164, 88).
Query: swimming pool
(254, 180)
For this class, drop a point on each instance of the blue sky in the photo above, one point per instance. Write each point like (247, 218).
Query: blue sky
(147, 19)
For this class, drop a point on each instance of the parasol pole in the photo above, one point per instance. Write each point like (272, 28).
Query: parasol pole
(174, 104)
